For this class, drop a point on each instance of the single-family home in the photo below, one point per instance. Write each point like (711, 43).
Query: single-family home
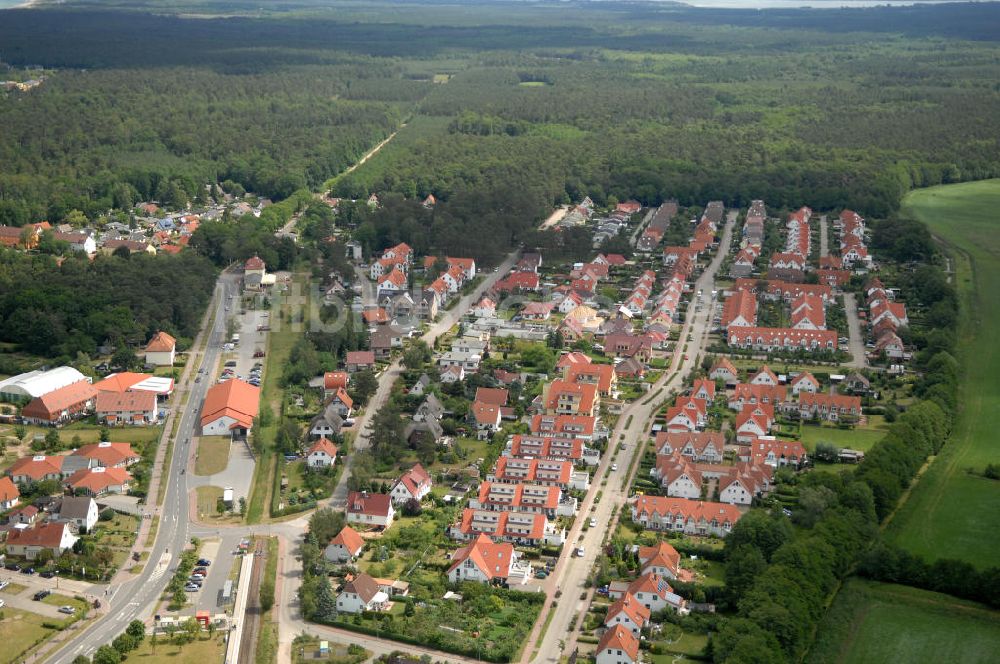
(804, 382)
(99, 481)
(9, 494)
(323, 454)
(345, 547)
(370, 509)
(617, 646)
(359, 360)
(413, 484)
(79, 510)
(361, 594)
(109, 455)
(483, 561)
(161, 350)
(662, 559)
(627, 612)
(693, 517)
(28, 543)
(342, 403)
(326, 423)
(36, 469)
(725, 370)
(132, 408)
(335, 380)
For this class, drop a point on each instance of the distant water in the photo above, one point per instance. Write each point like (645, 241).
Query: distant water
(7, 4)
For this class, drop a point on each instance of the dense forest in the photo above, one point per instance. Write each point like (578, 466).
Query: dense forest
(59, 310)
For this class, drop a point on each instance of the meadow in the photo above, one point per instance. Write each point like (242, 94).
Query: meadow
(953, 511)
(876, 622)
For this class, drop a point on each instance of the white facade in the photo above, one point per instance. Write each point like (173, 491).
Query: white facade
(352, 602)
(684, 487)
(219, 426)
(160, 358)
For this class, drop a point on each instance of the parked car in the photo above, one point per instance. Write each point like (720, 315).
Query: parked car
(47, 574)
(541, 574)
(593, 522)
(200, 570)
(2, 603)
(4, 584)
(14, 567)
(68, 610)
(579, 552)
(41, 594)
(191, 588)
(614, 466)
(28, 570)
(202, 562)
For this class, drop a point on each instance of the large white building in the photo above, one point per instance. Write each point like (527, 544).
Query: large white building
(33, 384)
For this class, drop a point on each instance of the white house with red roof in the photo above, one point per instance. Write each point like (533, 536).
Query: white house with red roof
(804, 382)
(161, 350)
(652, 591)
(764, 376)
(662, 559)
(687, 516)
(99, 481)
(627, 612)
(109, 455)
(345, 547)
(414, 484)
(323, 454)
(370, 509)
(486, 561)
(9, 494)
(29, 542)
(725, 370)
(342, 403)
(617, 646)
(705, 446)
(485, 308)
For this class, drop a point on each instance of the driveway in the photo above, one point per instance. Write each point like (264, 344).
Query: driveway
(824, 249)
(859, 359)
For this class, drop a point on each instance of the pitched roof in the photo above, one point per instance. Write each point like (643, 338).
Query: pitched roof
(334, 379)
(631, 607)
(63, 398)
(8, 490)
(108, 454)
(491, 395)
(343, 397)
(98, 479)
(375, 504)
(723, 364)
(360, 357)
(234, 398)
(47, 535)
(161, 343)
(122, 402)
(349, 539)
(37, 467)
(585, 392)
(415, 478)
(492, 558)
(661, 555)
(323, 445)
(364, 586)
(620, 638)
(75, 507)
(600, 374)
(485, 413)
(254, 263)
(690, 509)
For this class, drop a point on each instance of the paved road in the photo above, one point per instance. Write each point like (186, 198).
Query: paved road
(393, 371)
(136, 598)
(571, 573)
(824, 249)
(857, 339)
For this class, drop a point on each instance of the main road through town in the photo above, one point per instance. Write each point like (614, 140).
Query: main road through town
(135, 598)
(630, 435)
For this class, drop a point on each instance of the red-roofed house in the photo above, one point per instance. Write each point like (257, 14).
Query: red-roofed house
(740, 310)
(601, 375)
(486, 417)
(359, 360)
(774, 453)
(161, 350)
(682, 515)
(109, 455)
(335, 380)
(61, 405)
(322, 454)
(9, 494)
(565, 398)
(617, 646)
(804, 382)
(345, 547)
(342, 403)
(483, 561)
(521, 528)
(627, 612)
(725, 370)
(99, 481)
(230, 408)
(29, 542)
(36, 469)
(832, 407)
(661, 559)
(126, 408)
(370, 509)
(414, 484)
(492, 395)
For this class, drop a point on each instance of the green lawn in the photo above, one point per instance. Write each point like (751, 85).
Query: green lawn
(952, 513)
(201, 650)
(875, 622)
(19, 631)
(858, 438)
(213, 455)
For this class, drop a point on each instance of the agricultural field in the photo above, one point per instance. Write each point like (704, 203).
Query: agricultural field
(953, 511)
(875, 622)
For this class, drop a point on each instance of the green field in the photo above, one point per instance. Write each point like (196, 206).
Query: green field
(213, 455)
(953, 513)
(20, 630)
(876, 622)
(858, 438)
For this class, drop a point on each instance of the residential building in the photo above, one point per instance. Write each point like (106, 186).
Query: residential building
(832, 407)
(99, 481)
(370, 509)
(109, 455)
(28, 543)
(360, 360)
(361, 593)
(617, 645)
(345, 547)
(413, 484)
(322, 454)
(702, 446)
(79, 510)
(520, 528)
(133, 408)
(161, 351)
(627, 612)
(687, 516)
(36, 469)
(562, 397)
(662, 559)
(10, 495)
(484, 561)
